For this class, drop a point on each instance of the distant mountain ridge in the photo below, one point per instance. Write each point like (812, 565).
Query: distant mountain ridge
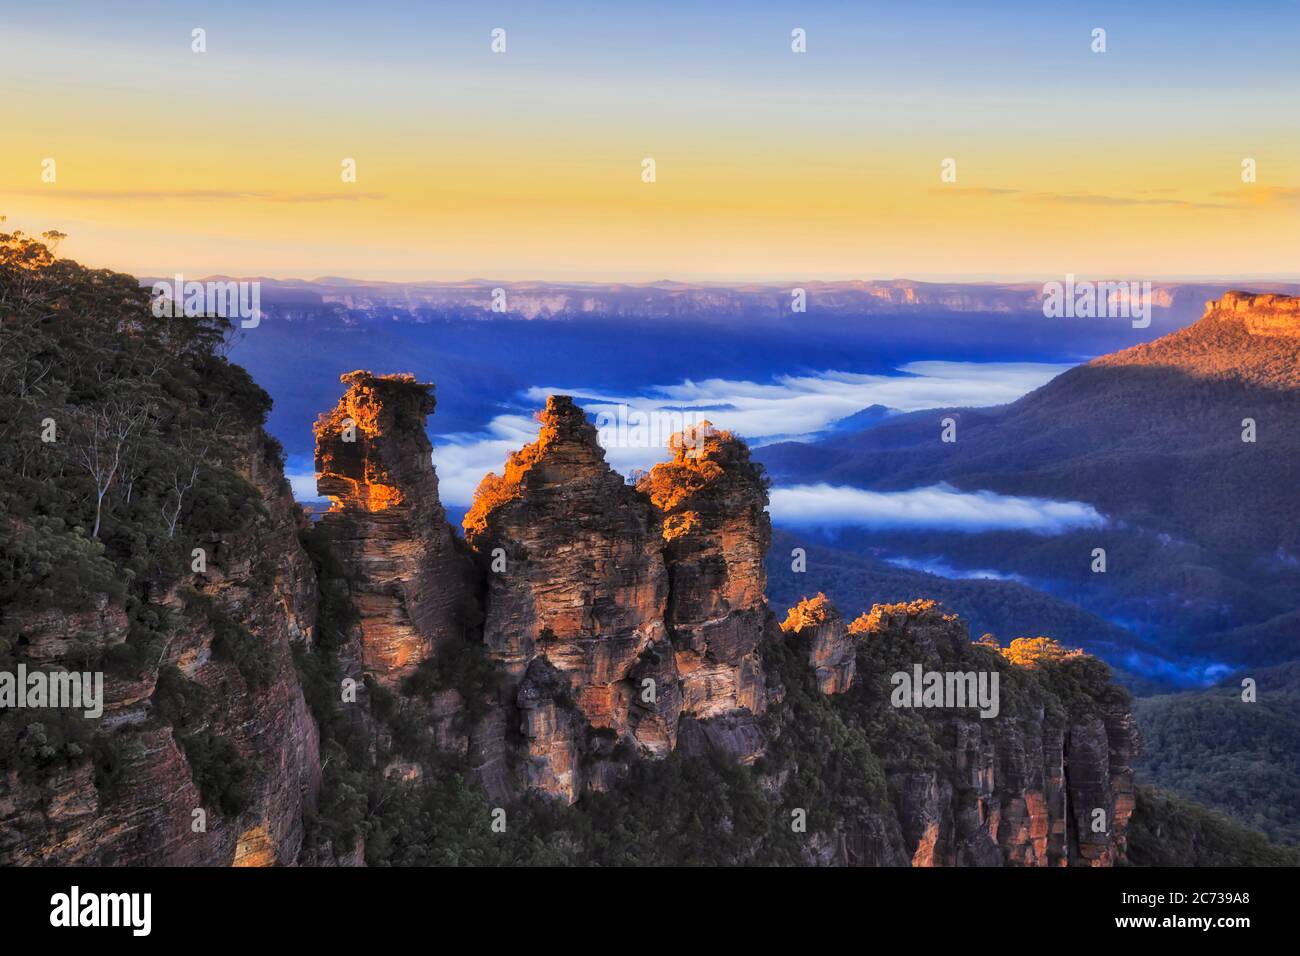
(1172, 302)
(1152, 436)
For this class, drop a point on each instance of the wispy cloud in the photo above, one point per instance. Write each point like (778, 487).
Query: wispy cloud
(1263, 195)
(1234, 199)
(1097, 199)
(1186, 673)
(790, 406)
(798, 405)
(934, 508)
(941, 568)
(303, 484)
(463, 459)
(976, 191)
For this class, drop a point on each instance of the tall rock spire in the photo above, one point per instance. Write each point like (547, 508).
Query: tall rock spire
(411, 585)
(716, 532)
(575, 598)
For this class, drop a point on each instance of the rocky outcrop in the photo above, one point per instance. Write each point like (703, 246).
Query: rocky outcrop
(831, 654)
(1261, 314)
(1243, 340)
(1047, 782)
(53, 635)
(153, 811)
(628, 619)
(411, 585)
(712, 502)
(576, 577)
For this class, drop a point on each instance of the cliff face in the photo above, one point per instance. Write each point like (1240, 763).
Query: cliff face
(408, 581)
(1047, 782)
(259, 577)
(831, 653)
(711, 502)
(633, 621)
(1260, 314)
(626, 622)
(575, 578)
(1243, 338)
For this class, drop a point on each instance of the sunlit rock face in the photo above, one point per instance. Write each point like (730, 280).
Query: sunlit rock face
(410, 583)
(1244, 338)
(712, 500)
(576, 576)
(831, 653)
(1260, 314)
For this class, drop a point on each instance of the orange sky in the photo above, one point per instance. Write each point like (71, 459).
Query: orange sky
(770, 165)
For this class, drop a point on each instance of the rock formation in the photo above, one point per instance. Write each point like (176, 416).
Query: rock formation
(712, 501)
(1048, 782)
(626, 623)
(1242, 338)
(1260, 314)
(575, 576)
(409, 582)
(830, 647)
(624, 616)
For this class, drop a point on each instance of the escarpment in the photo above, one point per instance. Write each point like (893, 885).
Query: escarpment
(1244, 339)
(410, 583)
(206, 753)
(588, 635)
(1266, 314)
(1040, 777)
(630, 622)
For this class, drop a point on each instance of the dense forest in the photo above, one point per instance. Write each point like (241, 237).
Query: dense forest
(120, 429)
(1241, 759)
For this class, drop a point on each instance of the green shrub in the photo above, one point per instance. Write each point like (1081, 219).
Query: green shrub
(219, 772)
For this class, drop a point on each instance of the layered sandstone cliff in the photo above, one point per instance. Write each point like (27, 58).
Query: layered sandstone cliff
(626, 618)
(631, 621)
(1244, 338)
(626, 623)
(228, 646)
(712, 504)
(1267, 314)
(577, 582)
(1045, 782)
(410, 583)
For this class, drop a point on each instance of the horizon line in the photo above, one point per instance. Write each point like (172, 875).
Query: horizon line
(735, 282)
